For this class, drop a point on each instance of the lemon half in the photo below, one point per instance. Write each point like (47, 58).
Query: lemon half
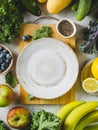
(90, 85)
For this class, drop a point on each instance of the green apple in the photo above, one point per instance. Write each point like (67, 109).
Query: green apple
(18, 117)
(6, 95)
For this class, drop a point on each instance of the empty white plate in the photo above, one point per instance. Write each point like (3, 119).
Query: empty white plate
(47, 68)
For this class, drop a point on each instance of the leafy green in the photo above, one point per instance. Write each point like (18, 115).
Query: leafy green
(10, 79)
(30, 97)
(43, 120)
(45, 31)
(90, 44)
(10, 20)
(3, 126)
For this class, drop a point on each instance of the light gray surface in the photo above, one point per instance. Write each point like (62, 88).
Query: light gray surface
(83, 58)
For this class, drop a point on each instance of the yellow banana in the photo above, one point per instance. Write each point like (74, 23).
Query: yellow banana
(89, 118)
(66, 109)
(91, 127)
(73, 118)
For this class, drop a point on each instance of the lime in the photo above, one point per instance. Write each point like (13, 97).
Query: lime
(94, 68)
(90, 85)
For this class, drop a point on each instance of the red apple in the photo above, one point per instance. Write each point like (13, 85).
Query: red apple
(18, 117)
(6, 95)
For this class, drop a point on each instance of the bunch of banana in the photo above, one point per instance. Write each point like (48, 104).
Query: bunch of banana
(77, 115)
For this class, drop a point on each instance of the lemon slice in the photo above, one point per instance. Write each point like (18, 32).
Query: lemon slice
(90, 85)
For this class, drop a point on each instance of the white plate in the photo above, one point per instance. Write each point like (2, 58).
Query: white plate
(47, 68)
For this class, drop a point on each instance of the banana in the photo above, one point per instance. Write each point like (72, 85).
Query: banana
(66, 109)
(73, 118)
(89, 118)
(91, 127)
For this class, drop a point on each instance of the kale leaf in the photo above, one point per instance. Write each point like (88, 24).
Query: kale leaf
(43, 120)
(10, 20)
(10, 79)
(30, 97)
(90, 44)
(3, 126)
(43, 32)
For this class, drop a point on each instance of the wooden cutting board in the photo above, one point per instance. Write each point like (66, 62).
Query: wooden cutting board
(69, 96)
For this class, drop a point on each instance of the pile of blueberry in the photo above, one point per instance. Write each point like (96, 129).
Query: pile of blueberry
(5, 59)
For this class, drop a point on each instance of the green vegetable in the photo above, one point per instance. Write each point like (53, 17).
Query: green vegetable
(18, 4)
(45, 31)
(30, 97)
(32, 7)
(10, 21)
(94, 6)
(83, 9)
(10, 79)
(90, 44)
(74, 7)
(43, 120)
(3, 126)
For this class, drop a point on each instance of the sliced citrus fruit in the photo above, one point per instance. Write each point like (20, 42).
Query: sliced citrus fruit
(94, 68)
(90, 85)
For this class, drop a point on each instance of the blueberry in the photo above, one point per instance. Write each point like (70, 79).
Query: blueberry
(7, 60)
(26, 37)
(8, 56)
(1, 48)
(5, 51)
(4, 59)
(2, 68)
(2, 55)
(1, 60)
(6, 65)
(3, 64)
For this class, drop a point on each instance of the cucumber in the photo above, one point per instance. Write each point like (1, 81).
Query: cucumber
(74, 7)
(83, 9)
(32, 7)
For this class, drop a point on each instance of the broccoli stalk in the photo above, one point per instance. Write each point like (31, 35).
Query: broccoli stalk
(90, 44)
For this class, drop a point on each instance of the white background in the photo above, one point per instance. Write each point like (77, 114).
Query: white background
(82, 58)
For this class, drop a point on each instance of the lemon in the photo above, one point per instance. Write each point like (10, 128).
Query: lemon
(42, 1)
(94, 68)
(90, 85)
(86, 71)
